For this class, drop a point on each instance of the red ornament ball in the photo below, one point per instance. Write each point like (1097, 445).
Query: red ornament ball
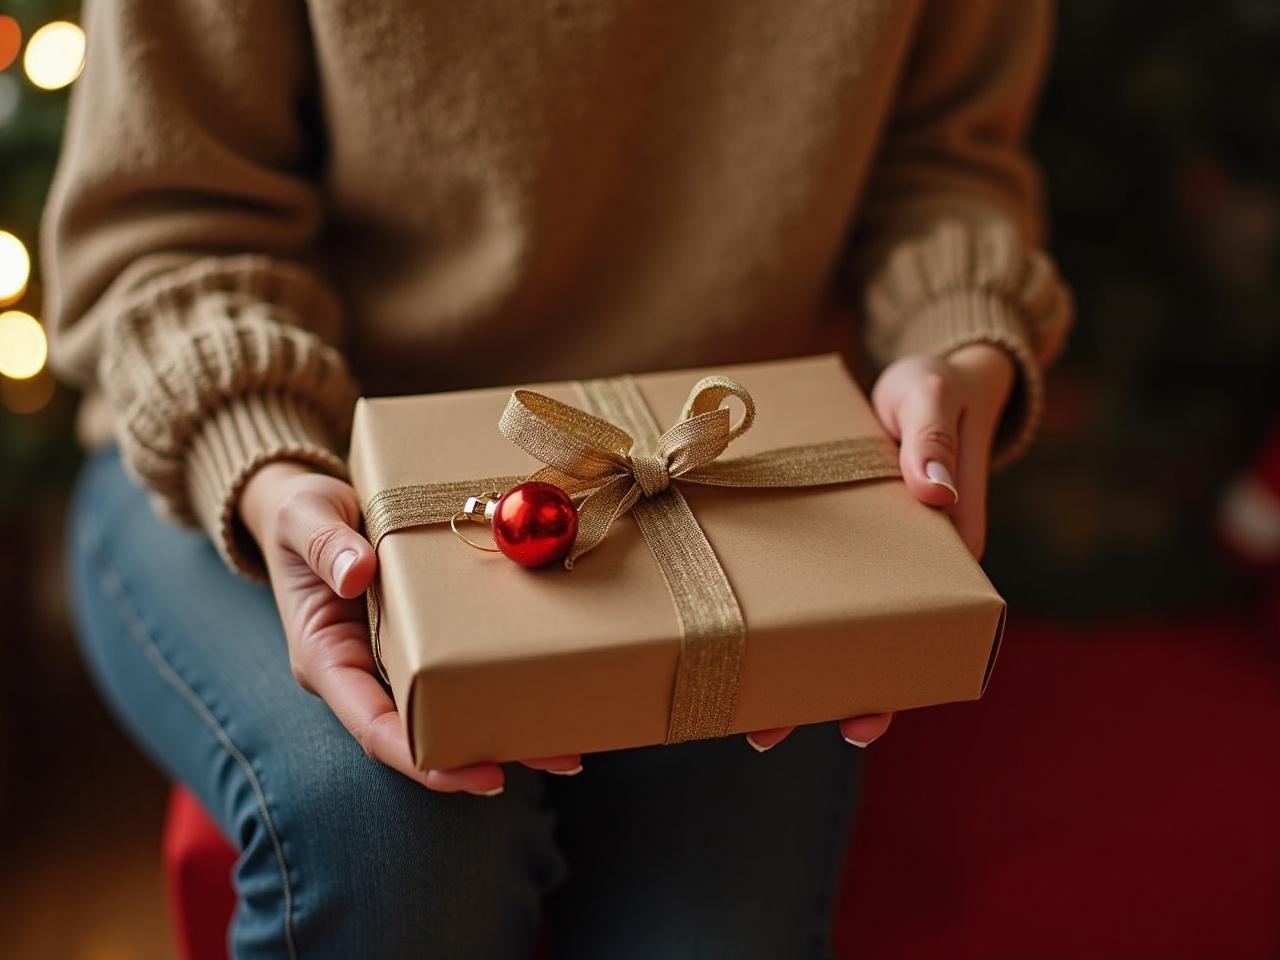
(535, 523)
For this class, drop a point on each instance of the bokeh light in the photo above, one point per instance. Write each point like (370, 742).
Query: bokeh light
(55, 55)
(23, 348)
(10, 41)
(15, 267)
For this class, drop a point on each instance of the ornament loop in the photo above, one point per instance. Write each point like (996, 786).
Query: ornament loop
(453, 525)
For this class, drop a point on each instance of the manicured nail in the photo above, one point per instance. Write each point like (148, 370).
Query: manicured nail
(567, 773)
(756, 746)
(486, 793)
(857, 743)
(341, 565)
(939, 474)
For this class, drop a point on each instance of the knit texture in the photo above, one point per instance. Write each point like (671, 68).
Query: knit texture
(213, 376)
(259, 205)
(958, 286)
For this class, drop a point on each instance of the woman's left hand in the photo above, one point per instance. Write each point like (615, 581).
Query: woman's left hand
(943, 411)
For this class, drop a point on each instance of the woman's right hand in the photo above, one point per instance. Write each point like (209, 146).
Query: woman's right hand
(306, 526)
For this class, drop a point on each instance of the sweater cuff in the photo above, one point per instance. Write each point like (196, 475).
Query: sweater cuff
(963, 317)
(236, 438)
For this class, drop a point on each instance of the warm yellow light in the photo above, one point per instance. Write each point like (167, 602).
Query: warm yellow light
(15, 267)
(22, 345)
(55, 55)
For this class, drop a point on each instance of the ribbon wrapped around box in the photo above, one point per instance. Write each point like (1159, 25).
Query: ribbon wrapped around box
(788, 579)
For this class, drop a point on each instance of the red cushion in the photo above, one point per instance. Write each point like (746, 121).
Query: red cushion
(1117, 793)
(197, 866)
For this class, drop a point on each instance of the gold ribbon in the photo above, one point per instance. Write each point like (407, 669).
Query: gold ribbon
(616, 460)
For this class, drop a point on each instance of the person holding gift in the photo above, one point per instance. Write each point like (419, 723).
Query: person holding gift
(265, 209)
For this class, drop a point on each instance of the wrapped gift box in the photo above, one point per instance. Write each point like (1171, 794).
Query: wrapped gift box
(856, 597)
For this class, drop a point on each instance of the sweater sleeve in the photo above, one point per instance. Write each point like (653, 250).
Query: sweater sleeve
(178, 243)
(947, 249)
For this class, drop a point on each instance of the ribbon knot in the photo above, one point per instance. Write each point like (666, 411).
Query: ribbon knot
(650, 471)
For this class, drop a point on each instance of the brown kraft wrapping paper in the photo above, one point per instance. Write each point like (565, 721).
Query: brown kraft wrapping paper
(857, 598)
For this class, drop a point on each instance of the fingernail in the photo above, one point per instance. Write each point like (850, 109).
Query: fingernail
(341, 565)
(939, 474)
(567, 773)
(756, 746)
(857, 743)
(486, 793)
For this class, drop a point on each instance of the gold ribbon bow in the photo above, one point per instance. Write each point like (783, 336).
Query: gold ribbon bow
(585, 452)
(617, 456)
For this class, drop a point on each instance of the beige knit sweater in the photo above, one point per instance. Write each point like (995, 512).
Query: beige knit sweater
(264, 207)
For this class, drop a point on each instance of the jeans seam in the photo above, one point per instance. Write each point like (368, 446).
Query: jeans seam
(115, 589)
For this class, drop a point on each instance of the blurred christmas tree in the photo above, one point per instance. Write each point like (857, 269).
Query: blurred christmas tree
(41, 51)
(1160, 137)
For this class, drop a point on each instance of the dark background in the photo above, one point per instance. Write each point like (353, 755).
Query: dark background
(1160, 139)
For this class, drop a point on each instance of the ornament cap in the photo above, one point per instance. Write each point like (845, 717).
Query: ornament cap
(481, 508)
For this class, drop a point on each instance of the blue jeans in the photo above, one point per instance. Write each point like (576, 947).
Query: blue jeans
(704, 850)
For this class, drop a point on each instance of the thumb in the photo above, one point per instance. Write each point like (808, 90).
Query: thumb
(319, 528)
(928, 419)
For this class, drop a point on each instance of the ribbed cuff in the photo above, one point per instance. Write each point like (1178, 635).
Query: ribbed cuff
(235, 439)
(964, 317)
